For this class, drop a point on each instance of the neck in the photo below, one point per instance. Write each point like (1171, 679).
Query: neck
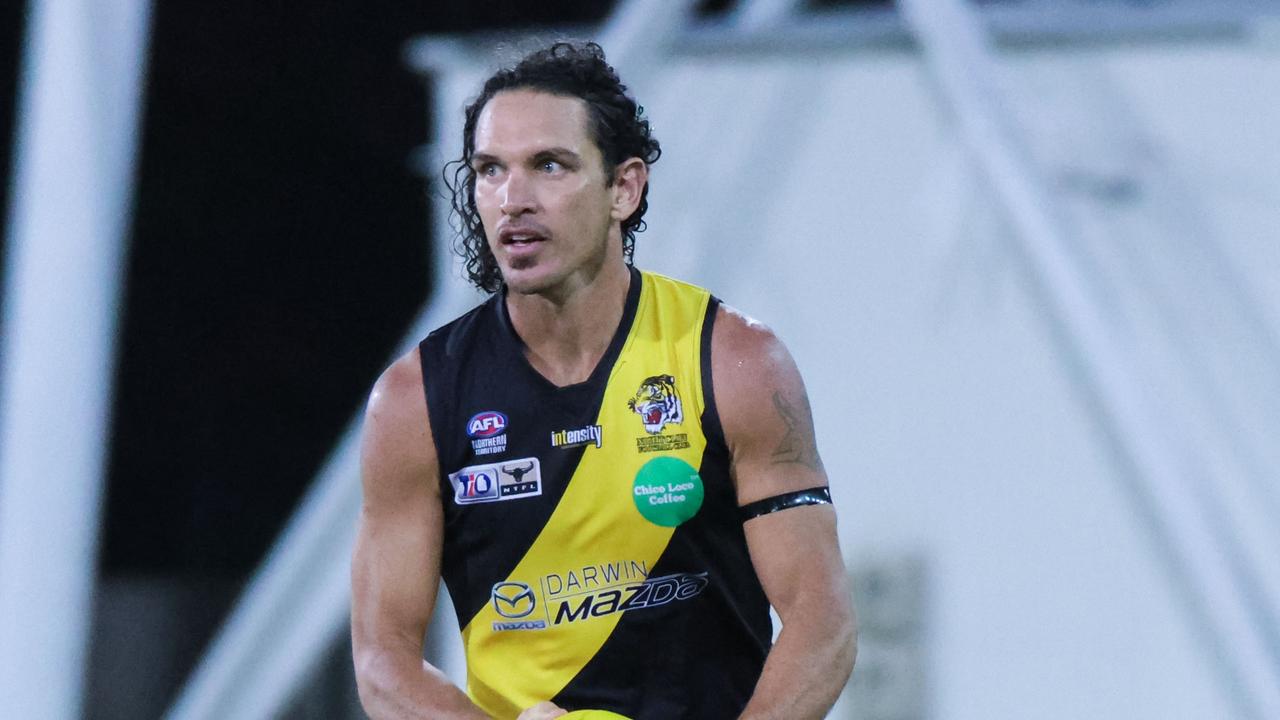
(567, 333)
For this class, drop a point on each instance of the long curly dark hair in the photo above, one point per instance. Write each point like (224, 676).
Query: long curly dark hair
(617, 125)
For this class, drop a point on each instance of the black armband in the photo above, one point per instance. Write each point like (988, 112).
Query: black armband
(812, 496)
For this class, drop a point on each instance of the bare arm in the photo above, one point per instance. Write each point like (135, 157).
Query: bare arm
(396, 566)
(769, 428)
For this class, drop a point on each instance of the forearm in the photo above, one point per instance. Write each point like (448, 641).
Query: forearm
(805, 671)
(398, 686)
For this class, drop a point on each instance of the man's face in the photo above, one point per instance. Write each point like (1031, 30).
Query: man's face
(541, 191)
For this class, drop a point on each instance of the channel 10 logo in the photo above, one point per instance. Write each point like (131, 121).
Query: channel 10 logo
(475, 485)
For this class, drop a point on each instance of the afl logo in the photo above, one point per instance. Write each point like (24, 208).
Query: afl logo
(486, 424)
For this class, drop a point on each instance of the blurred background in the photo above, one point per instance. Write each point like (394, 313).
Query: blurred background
(1024, 251)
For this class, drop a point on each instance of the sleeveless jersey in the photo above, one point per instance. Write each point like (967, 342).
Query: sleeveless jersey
(592, 543)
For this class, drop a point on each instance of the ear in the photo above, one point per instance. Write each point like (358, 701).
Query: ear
(629, 179)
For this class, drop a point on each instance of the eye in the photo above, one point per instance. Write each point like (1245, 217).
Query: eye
(487, 169)
(550, 166)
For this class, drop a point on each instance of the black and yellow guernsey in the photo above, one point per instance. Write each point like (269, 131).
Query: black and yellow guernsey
(593, 548)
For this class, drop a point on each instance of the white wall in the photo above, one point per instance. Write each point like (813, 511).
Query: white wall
(830, 197)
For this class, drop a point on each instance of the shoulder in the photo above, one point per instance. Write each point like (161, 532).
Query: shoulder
(396, 439)
(763, 408)
(398, 391)
(747, 358)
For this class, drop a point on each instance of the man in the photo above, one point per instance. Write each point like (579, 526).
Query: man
(614, 473)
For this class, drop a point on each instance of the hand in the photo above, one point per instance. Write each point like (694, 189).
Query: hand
(542, 711)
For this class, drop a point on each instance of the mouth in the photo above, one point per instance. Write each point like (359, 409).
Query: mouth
(652, 416)
(521, 237)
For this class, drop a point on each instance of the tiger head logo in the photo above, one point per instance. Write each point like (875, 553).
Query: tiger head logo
(657, 403)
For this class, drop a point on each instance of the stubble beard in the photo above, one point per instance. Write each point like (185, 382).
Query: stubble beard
(552, 282)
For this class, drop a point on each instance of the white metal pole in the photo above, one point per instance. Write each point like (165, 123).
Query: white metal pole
(77, 121)
(1201, 561)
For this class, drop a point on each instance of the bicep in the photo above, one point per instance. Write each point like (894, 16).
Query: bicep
(396, 562)
(769, 429)
(764, 410)
(395, 570)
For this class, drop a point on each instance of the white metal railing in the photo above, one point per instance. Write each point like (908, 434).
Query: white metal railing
(1218, 585)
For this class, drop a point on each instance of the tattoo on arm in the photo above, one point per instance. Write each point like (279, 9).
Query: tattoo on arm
(798, 444)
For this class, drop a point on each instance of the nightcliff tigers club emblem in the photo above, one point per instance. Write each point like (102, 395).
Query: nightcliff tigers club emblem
(658, 405)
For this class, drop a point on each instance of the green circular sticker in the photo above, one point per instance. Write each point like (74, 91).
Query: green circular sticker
(667, 491)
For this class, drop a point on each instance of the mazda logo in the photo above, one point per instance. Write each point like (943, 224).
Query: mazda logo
(513, 599)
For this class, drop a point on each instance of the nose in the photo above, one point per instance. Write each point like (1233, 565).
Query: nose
(516, 195)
